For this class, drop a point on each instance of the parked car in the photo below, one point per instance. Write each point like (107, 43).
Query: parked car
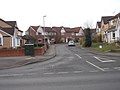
(71, 43)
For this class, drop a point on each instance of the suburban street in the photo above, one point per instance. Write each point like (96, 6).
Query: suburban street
(73, 68)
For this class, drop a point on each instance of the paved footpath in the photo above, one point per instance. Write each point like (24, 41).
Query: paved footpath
(10, 62)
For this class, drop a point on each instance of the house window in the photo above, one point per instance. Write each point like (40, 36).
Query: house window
(113, 35)
(39, 41)
(1, 39)
(39, 33)
(18, 41)
(72, 34)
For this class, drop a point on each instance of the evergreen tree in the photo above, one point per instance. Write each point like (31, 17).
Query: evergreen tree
(88, 39)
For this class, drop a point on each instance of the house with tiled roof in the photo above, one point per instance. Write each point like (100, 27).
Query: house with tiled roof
(10, 35)
(113, 32)
(58, 33)
(54, 34)
(41, 34)
(66, 33)
(104, 26)
(98, 26)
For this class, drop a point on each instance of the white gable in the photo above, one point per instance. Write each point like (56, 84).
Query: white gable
(62, 30)
(80, 33)
(40, 30)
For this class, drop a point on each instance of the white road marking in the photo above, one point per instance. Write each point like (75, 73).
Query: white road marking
(118, 68)
(10, 75)
(30, 58)
(105, 61)
(95, 66)
(48, 73)
(97, 58)
(6, 75)
(109, 61)
(63, 72)
(77, 71)
(17, 74)
(106, 68)
(94, 71)
(78, 56)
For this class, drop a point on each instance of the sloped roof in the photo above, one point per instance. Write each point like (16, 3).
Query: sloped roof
(116, 16)
(48, 29)
(106, 19)
(99, 24)
(35, 27)
(57, 28)
(112, 29)
(67, 29)
(76, 29)
(12, 23)
(8, 30)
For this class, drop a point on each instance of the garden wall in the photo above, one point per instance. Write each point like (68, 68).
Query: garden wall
(21, 51)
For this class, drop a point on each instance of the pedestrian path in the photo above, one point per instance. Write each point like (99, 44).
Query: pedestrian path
(10, 62)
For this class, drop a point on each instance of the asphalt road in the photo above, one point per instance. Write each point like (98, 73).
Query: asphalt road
(72, 69)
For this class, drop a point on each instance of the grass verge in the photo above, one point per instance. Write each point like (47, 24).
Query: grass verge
(105, 47)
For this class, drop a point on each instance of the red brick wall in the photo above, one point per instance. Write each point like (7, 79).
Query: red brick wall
(12, 52)
(39, 51)
(20, 52)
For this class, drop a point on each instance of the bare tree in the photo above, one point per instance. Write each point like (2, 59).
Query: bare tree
(88, 24)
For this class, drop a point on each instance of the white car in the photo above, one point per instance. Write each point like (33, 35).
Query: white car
(71, 43)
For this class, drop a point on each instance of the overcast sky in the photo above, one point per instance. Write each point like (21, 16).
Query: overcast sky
(68, 13)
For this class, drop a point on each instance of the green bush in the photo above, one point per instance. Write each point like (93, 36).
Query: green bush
(38, 45)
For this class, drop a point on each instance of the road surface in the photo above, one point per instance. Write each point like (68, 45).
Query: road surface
(72, 69)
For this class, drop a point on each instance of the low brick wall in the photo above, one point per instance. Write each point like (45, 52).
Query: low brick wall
(21, 52)
(12, 52)
(39, 51)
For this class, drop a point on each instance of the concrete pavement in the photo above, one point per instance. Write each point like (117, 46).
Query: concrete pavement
(10, 62)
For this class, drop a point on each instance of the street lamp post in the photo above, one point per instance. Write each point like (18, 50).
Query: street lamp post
(44, 27)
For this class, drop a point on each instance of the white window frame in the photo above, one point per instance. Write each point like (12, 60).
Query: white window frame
(1, 38)
(113, 34)
(18, 41)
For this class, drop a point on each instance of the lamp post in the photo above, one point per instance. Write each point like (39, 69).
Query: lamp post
(44, 27)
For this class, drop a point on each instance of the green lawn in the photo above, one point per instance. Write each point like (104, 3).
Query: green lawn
(105, 47)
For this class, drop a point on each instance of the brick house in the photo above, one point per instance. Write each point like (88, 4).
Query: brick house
(58, 34)
(50, 34)
(10, 35)
(71, 34)
(41, 34)
(54, 34)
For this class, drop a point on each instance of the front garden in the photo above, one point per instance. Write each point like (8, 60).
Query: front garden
(106, 47)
